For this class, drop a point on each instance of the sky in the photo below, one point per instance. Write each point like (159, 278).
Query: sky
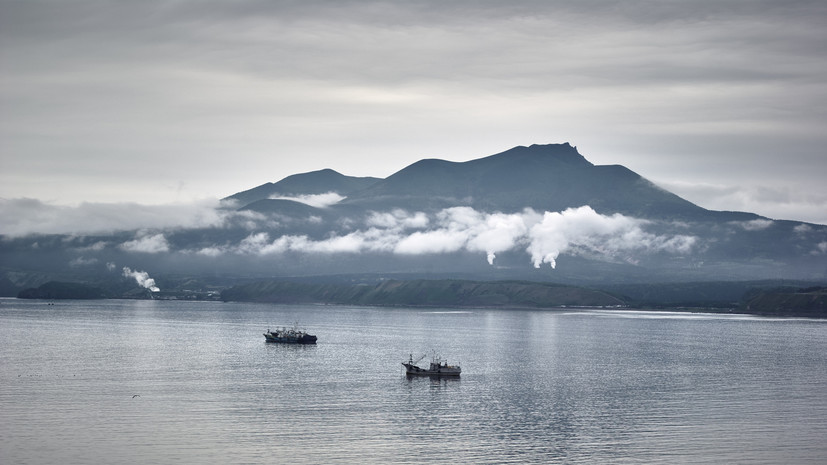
(163, 105)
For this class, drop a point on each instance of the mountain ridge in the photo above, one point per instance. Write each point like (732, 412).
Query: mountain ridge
(309, 183)
(548, 177)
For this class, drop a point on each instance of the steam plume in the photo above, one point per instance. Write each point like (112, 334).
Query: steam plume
(142, 278)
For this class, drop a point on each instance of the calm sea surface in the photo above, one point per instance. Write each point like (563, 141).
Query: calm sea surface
(537, 386)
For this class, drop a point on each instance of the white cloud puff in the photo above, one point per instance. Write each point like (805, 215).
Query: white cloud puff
(582, 230)
(398, 219)
(755, 225)
(155, 243)
(315, 200)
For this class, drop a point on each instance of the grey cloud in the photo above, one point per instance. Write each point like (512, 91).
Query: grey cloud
(82, 261)
(774, 202)
(379, 43)
(96, 247)
(147, 243)
(27, 216)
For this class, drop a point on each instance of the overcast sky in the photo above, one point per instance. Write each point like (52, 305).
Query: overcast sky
(723, 102)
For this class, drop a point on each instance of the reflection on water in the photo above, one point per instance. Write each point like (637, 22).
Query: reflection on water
(537, 386)
(435, 381)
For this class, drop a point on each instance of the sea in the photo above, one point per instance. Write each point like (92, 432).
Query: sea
(173, 382)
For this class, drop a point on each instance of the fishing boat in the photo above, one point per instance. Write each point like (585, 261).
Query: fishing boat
(289, 336)
(438, 367)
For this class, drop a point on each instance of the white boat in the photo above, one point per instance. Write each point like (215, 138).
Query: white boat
(438, 367)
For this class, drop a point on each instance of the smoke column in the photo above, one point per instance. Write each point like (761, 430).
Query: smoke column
(142, 278)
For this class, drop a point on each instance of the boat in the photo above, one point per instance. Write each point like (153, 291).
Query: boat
(438, 367)
(289, 336)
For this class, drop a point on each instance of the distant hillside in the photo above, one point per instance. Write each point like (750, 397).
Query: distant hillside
(314, 182)
(752, 297)
(447, 293)
(808, 302)
(59, 290)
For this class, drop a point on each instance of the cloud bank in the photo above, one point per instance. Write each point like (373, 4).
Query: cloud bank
(579, 231)
(23, 216)
(542, 236)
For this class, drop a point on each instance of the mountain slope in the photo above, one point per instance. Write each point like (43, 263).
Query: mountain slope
(550, 177)
(425, 293)
(542, 177)
(314, 182)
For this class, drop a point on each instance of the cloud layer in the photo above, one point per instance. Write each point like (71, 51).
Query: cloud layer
(577, 231)
(29, 216)
(315, 200)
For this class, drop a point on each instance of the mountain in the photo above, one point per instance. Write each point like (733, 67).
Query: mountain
(541, 213)
(550, 177)
(58, 290)
(543, 177)
(312, 183)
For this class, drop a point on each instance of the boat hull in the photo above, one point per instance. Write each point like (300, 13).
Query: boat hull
(413, 370)
(304, 339)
